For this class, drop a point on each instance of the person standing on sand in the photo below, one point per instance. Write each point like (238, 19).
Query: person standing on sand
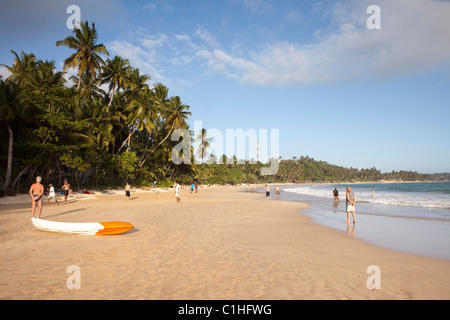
(52, 194)
(66, 188)
(196, 186)
(177, 191)
(127, 191)
(350, 204)
(277, 191)
(336, 194)
(36, 192)
(267, 192)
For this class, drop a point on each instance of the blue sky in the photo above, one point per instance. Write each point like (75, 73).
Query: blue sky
(334, 89)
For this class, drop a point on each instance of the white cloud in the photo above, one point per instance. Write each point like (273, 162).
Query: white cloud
(4, 73)
(412, 39)
(293, 17)
(149, 7)
(204, 34)
(146, 61)
(258, 6)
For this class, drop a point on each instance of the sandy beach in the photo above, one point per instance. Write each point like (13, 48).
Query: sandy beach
(219, 244)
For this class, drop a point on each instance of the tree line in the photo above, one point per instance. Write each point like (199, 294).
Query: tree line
(79, 131)
(97, 137)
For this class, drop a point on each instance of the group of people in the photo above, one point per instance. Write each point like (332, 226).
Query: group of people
(177, 189)
(350, 200)
(277, 192)
(37, 192)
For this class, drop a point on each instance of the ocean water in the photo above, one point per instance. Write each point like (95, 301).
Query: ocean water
(406, 217)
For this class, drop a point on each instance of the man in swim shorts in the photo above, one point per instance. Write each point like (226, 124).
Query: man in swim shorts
(336, 194)
(350, 204)
(66, 188)
(267, 192)
(277, 191)
(128, 191)
(36, 192)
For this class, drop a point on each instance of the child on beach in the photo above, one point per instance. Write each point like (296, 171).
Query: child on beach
(177, 191)
(52, 194)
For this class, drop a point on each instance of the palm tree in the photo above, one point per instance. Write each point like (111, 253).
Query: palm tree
(90, 90)
(9, 99)
(175, 116)
(136, 83)
(86, 58)
(205, 143)
(142, 113)
(116, 72)
(45, 74)
(22, 67)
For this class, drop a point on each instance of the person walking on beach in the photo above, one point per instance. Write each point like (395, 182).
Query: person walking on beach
(177, 191)
(128, 191)
(350, 204)
(36, 192)
(277, 191)
(66, 188)
(52, 194)
(196, 186)
(267, 192)
(192, 187)
(336, 194)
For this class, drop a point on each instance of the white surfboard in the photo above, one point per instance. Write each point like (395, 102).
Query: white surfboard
(88, 229)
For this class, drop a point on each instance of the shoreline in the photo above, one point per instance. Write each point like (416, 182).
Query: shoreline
(413, 230)
(219, 244)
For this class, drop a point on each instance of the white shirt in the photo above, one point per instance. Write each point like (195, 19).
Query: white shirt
(177, 190)
(52, 192)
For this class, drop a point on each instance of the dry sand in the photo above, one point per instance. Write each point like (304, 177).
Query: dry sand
(218, 244)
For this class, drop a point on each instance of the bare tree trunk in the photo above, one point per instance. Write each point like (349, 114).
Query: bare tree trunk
(112, 96)
(10, 158)
(127, 139)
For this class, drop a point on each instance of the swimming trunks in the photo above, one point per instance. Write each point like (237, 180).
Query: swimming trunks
(37, 197)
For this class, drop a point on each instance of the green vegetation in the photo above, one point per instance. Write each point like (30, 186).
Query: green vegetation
(57, 129)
